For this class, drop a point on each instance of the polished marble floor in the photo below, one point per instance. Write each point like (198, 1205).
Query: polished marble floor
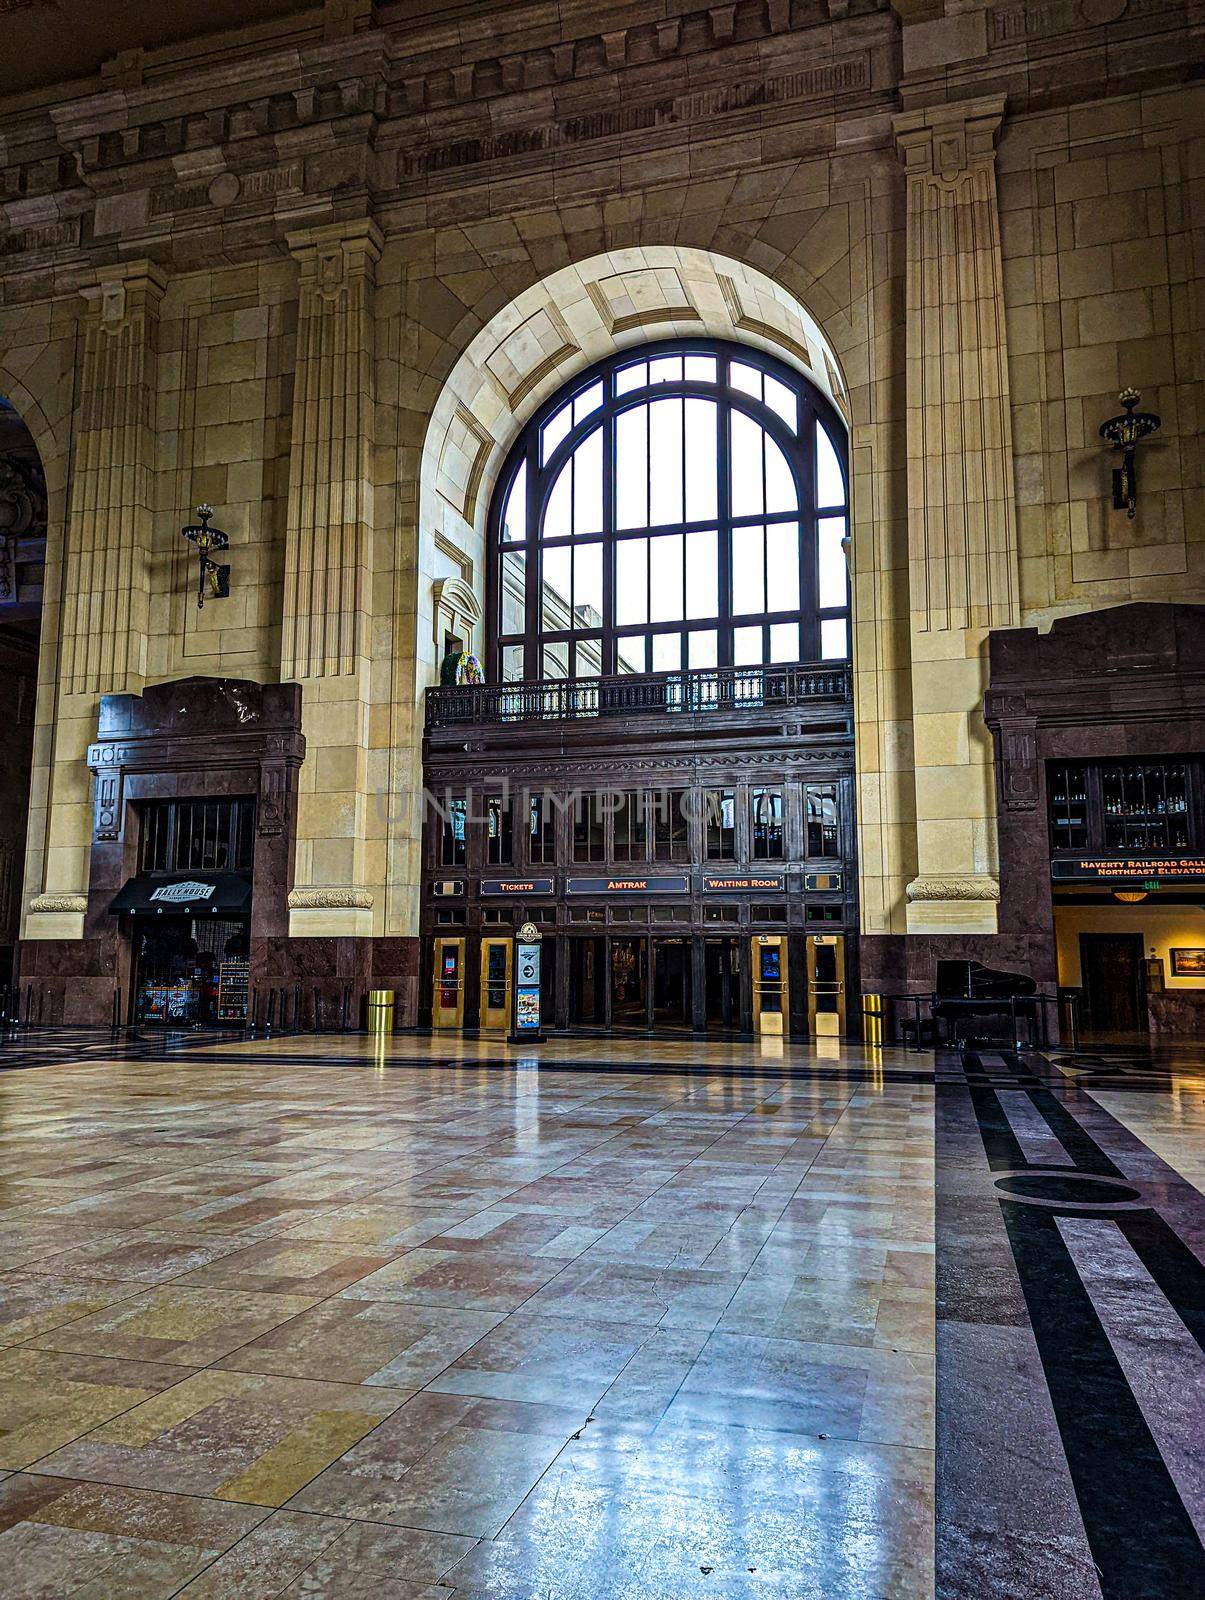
(328, 1317)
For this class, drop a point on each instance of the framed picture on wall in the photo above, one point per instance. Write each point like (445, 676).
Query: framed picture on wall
(1188, 962)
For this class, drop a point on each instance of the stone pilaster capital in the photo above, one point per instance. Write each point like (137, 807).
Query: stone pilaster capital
(968, 886)
(124, 290)
(942, 142)
(336, 252)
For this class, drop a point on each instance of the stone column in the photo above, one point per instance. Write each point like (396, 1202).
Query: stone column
(963, 567)
(106, 587)
(326, 633)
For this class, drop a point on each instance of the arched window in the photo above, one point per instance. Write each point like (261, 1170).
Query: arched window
(678, 507)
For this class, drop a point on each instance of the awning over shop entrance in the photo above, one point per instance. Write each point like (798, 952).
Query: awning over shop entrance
(184, 893)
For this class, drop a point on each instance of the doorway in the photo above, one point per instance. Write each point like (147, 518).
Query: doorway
(1113, 974)
(722, 981)
(629, 983)
(672, 983)
(192, 971)
(587, 982)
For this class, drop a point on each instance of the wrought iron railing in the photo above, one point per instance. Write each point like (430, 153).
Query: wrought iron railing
(643, 694)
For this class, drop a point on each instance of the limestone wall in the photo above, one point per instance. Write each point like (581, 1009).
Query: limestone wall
(322, 287)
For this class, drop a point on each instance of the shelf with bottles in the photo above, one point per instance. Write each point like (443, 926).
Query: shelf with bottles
(1068, 796)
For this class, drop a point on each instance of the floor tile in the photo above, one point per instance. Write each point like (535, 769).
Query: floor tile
(47, 1399)
(234, 1436)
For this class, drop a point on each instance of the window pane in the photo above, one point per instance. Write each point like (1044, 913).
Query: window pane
(700, 369)
(745, 378)
(747, 647)
(631, 468)
(514, 518)
(702, 575)
(701, 448)
(834, 639)
(665, 459)
(558, 514)
(781, 399)
(556, 661)
(554, 430)
(587, 585)
(702, 648)
(631, 581)
(589, 400)
(782, 567)
(514, 591)
(665, 578)
(748, 571)
(830, 484)
(784, 641)
(587, 662)
(634, 377)
(556, 588)
(512, 663)
(780, 480)
(587, 485)
(665, 369)
(630, 653)
(667, 652)
(834, 577)
(748, 494)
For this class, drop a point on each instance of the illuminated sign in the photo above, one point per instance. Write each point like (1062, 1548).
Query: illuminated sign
(496, 886)
(182, 892)
(628, 886)
(1150, 871)
(773, 884)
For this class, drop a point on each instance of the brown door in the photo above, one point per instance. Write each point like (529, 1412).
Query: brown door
(1113, 975)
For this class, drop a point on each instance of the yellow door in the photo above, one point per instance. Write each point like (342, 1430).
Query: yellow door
(826, 985)
(770, 983)
(495, 983)
(447, 998)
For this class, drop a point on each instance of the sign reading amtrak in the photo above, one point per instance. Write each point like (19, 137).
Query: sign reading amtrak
(182, 893)
(1129, 869)
(628, 886)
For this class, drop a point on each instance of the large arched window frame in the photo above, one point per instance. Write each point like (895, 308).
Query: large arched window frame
(682, 505)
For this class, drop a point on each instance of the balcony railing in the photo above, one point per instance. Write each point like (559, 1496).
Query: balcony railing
(645, 694)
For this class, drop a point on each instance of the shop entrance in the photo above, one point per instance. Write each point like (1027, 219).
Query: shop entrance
(672, 983)
(629, 983)
(192, 971)
(722, 981)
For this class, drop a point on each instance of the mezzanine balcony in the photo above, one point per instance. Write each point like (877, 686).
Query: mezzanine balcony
(709, 690)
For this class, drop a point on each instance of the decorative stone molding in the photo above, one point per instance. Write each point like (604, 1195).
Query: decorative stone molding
(456, 609)
(976, 888)
(76, 903)
(353, 899)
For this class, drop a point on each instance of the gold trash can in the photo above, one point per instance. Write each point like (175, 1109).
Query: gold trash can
(380, 1011)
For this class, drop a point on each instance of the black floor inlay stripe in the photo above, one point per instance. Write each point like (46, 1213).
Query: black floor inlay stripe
(1086, 1507)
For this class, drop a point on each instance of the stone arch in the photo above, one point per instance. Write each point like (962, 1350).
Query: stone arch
(556, 328)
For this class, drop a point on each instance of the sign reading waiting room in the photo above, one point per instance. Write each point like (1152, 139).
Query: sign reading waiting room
(1129, 869)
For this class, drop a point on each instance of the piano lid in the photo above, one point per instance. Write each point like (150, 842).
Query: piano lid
(971, 980)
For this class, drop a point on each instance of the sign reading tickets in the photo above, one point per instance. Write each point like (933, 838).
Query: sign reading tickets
(497, 886)
(677, 885)
(1150, 870)
(527, 979)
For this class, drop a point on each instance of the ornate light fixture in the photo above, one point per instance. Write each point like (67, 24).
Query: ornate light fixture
(1129, 897)
(1123, 433)
(206, 539)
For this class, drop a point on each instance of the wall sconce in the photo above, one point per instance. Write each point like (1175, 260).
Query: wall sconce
(1123, 433)
(1129, 897)
(206, 539)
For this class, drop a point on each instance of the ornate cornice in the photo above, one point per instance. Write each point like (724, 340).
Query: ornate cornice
(339, 899)
(970, 888)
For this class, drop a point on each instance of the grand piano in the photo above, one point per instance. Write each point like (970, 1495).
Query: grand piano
(987, 1006)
